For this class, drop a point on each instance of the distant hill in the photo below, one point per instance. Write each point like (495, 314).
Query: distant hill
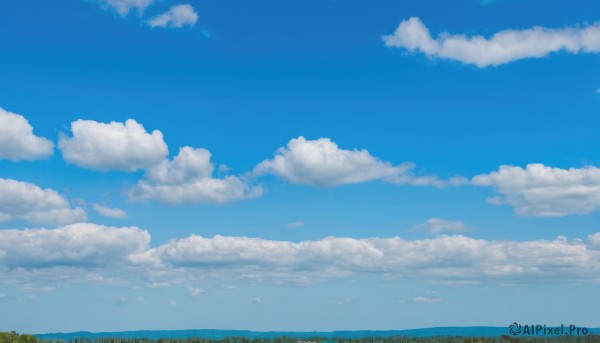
(470, 331)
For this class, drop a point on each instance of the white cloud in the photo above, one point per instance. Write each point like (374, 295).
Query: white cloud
(195, 292)
(257, 301)
(90, 253)
(344, 301)
(223, 169)
(113, 146)
(594, 239)
(503, 47)
(123, 7)
(321, 163)
(22, 200)
(188, 179)
(79, 245)
(437, 225)
(544, 191)
(441, 259)
(17, 141)
(157, 285)
(428, 300)
(176, 17)
(296, 224)
(120, 300)
(33, 289)
(110, 212)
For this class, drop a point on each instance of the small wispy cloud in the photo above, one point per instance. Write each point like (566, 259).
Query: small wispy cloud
(427, 300)
(195, 292)
(177, 16)
(124, 7)
(39, 289)
(256, 301)
(296, 224)
(344, 301)
(437, 225)
(120, 300)
(110, 212)
(156, 285)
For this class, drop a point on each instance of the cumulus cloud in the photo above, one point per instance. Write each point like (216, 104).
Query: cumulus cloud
(321, 163)
(113, 146)
(123, 7)
(176, 17)
(503, 47)
(443, 258)
(26, 201)
(188, 179)
(437, 225)
(594, 239)
(543, 191)
(82, 245)
(17, 141)
(110, 212)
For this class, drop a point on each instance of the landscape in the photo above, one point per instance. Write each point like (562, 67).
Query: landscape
(372, 337)
(299, 171)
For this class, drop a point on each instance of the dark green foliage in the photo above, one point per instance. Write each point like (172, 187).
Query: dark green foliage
(13, 337)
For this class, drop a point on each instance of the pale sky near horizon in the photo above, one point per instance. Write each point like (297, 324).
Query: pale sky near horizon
(298, 165)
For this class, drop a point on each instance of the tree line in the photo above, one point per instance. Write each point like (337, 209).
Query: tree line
(13, 337)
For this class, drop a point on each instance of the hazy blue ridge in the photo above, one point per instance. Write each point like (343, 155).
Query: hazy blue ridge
(470, 331)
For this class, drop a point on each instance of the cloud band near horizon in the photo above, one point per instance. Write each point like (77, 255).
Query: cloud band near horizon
(126, 253)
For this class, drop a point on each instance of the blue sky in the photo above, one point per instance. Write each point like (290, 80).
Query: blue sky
(287, 165)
